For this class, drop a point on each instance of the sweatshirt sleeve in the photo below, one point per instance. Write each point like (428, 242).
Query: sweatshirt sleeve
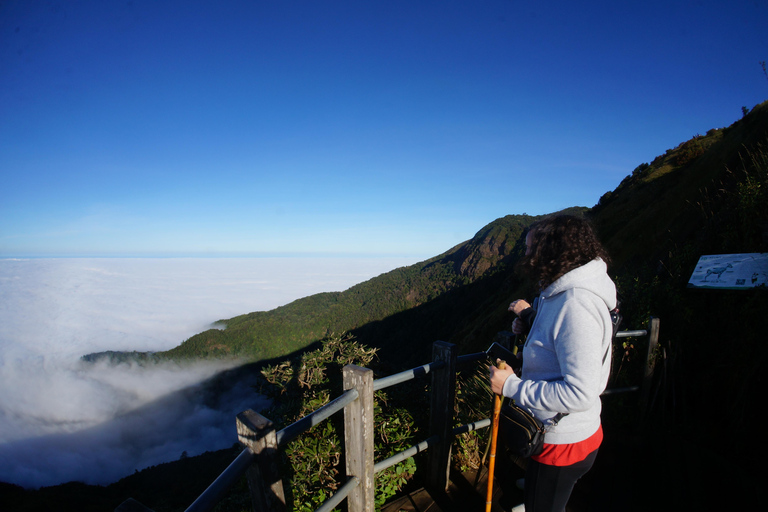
(527, 315)
(577, 335)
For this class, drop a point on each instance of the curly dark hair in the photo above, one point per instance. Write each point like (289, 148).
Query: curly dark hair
(558, 245)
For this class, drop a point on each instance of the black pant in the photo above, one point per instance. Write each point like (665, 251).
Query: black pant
(547, 488)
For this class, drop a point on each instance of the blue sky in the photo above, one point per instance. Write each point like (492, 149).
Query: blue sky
(344, 127)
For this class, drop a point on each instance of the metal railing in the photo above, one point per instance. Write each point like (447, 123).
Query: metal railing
(444, 363)
(213, 494)
(262, 441)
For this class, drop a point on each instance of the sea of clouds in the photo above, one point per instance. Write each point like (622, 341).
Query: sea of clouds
(65, 420)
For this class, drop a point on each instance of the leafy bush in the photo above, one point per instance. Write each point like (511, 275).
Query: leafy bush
(752, 199)
(689, 151)
(311, 462)
(474, 401)
(641, 169)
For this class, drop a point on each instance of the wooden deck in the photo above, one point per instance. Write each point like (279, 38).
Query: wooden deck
(614, 483)
(466, 493)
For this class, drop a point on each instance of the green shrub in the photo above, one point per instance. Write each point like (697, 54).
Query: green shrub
(752, 199)
(313, 463)
(689, 151)
(474, 401)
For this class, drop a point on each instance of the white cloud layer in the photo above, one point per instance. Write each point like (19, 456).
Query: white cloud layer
(64, 420)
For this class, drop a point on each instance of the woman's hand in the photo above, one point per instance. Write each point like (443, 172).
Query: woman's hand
(499, 377)
(518, 326)
(518, 306)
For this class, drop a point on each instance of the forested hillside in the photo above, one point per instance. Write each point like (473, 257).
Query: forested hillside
(410, 306)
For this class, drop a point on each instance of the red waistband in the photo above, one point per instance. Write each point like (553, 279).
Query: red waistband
(567, 454)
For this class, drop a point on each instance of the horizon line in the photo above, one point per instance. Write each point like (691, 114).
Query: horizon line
(208, 255)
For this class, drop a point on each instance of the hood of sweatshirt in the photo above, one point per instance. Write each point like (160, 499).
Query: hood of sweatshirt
(592, 276)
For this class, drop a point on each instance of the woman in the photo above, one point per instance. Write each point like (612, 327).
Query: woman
(566, 358)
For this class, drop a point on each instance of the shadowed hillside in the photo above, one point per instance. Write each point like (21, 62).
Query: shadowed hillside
(707, 196)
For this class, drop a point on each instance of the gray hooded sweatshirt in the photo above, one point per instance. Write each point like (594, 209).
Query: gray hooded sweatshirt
(565, 367)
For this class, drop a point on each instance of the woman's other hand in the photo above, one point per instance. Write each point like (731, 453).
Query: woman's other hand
(518, 327)
(518, 306)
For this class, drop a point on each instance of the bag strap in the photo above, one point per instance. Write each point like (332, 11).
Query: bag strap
(556, 418)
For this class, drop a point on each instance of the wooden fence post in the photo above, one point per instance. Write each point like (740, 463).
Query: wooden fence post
(258, 433)
(441, 415)
(650, 363)
(358, 438)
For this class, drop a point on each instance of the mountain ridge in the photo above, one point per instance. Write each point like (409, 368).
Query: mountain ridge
(309, 319)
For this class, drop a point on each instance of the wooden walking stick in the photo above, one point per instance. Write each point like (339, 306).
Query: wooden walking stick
(494, 434)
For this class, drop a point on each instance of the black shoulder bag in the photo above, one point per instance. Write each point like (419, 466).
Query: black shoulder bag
(520, 431)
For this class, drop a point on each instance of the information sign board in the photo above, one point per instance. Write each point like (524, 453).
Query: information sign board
(731, 271)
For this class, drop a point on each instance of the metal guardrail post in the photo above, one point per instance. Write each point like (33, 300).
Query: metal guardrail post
(358, 438)
(650, 363)
(257, 433)
(441, 415)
